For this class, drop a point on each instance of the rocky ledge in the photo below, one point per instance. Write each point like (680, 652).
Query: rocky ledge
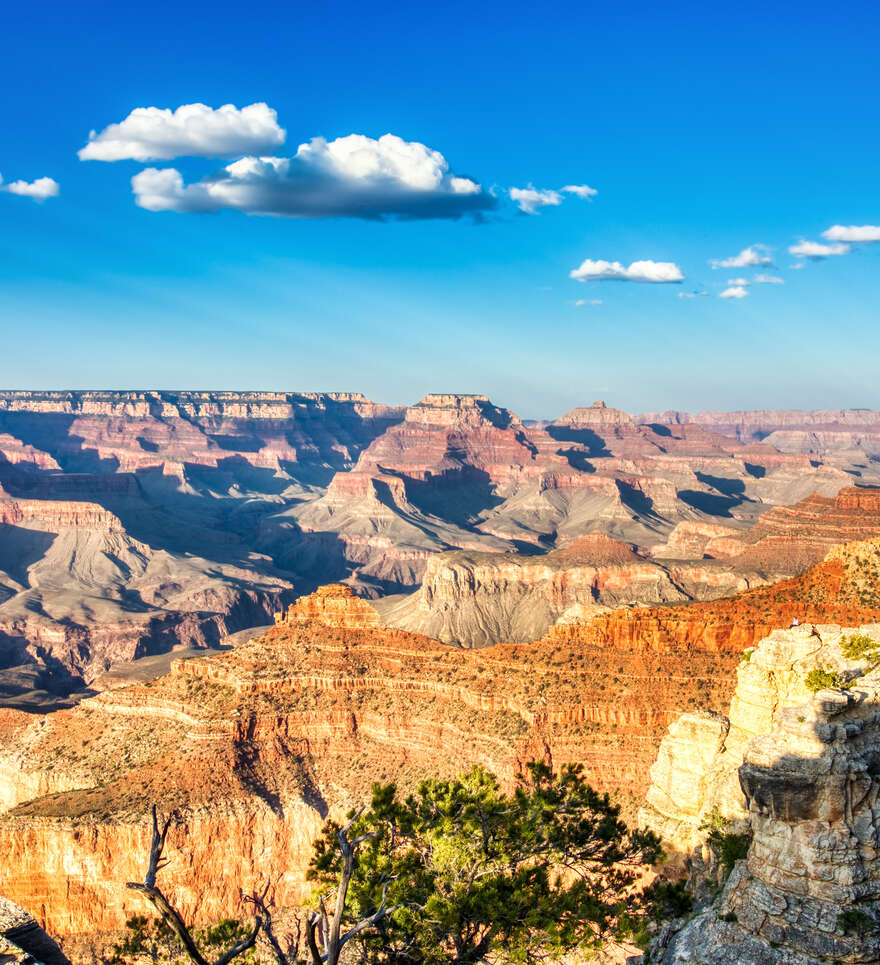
(798, 770)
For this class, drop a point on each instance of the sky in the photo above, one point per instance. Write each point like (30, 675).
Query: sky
(530, 202)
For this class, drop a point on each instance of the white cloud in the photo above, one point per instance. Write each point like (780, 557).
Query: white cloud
(193, 130)
(581, 190)
(654, 272)
(798, 265)
(769, 279)
(588, 301)
(815, 249)
(39, 190)
(747, 258)
(854, 233)
(531, 198)
(353, 176)
(738, 282)
(735, 291)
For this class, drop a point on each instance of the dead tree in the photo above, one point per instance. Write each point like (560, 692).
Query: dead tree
(321, 930)
(153, 894)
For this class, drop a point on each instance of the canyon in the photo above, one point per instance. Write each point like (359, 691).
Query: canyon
(257, 745)
(247, 607)
(134, 523)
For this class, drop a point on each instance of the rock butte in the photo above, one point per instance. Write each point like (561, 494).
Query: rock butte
(258, 744)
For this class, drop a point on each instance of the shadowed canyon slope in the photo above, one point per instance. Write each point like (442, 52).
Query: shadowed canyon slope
(257, 744)
(134, 522)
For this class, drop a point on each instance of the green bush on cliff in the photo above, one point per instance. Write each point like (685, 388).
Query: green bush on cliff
(855, 922)
(152, 940)
(728, 846)
(859, 646)
(821, 679)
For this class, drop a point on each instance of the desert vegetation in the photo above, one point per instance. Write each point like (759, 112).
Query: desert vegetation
(458, 871)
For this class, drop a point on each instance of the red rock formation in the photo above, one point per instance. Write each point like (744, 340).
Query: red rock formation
(333, 606)
(250, 742)
(254, 743)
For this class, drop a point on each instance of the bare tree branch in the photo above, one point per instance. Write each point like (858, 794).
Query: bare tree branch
(153, 894)
(259, 903)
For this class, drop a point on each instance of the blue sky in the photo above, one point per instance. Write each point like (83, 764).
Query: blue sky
(704, 130)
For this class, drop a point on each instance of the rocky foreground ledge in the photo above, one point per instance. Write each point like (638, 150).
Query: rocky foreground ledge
(800, 771)
(19, 932)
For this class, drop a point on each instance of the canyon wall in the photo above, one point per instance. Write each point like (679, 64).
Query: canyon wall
(114, 504)
(295, 725)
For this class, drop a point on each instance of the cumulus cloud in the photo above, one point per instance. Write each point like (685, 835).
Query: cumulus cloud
(581, 190)
(353, 176)
(852, 233)
(770, 279)
(735, 291)
(530, 199)
(747, 258)
(816, 250)
(38, 190)
(588, 301)
(738, 282)
(193, 130)
(653, 272)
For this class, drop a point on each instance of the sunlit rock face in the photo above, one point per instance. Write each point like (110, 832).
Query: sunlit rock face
(256, 745)
(800, 770)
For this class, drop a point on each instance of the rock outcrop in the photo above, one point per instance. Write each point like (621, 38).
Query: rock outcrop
(20, 933)
(798, 769)
(477, 599)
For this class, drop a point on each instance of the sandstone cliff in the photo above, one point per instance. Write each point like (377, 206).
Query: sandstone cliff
(798, 770)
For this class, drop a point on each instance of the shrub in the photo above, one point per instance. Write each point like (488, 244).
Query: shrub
(728, 846)
(855, 922)
(859, 646)
(821, 679)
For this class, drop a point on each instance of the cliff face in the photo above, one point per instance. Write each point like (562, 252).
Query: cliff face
(289, 727)
(799, 771)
